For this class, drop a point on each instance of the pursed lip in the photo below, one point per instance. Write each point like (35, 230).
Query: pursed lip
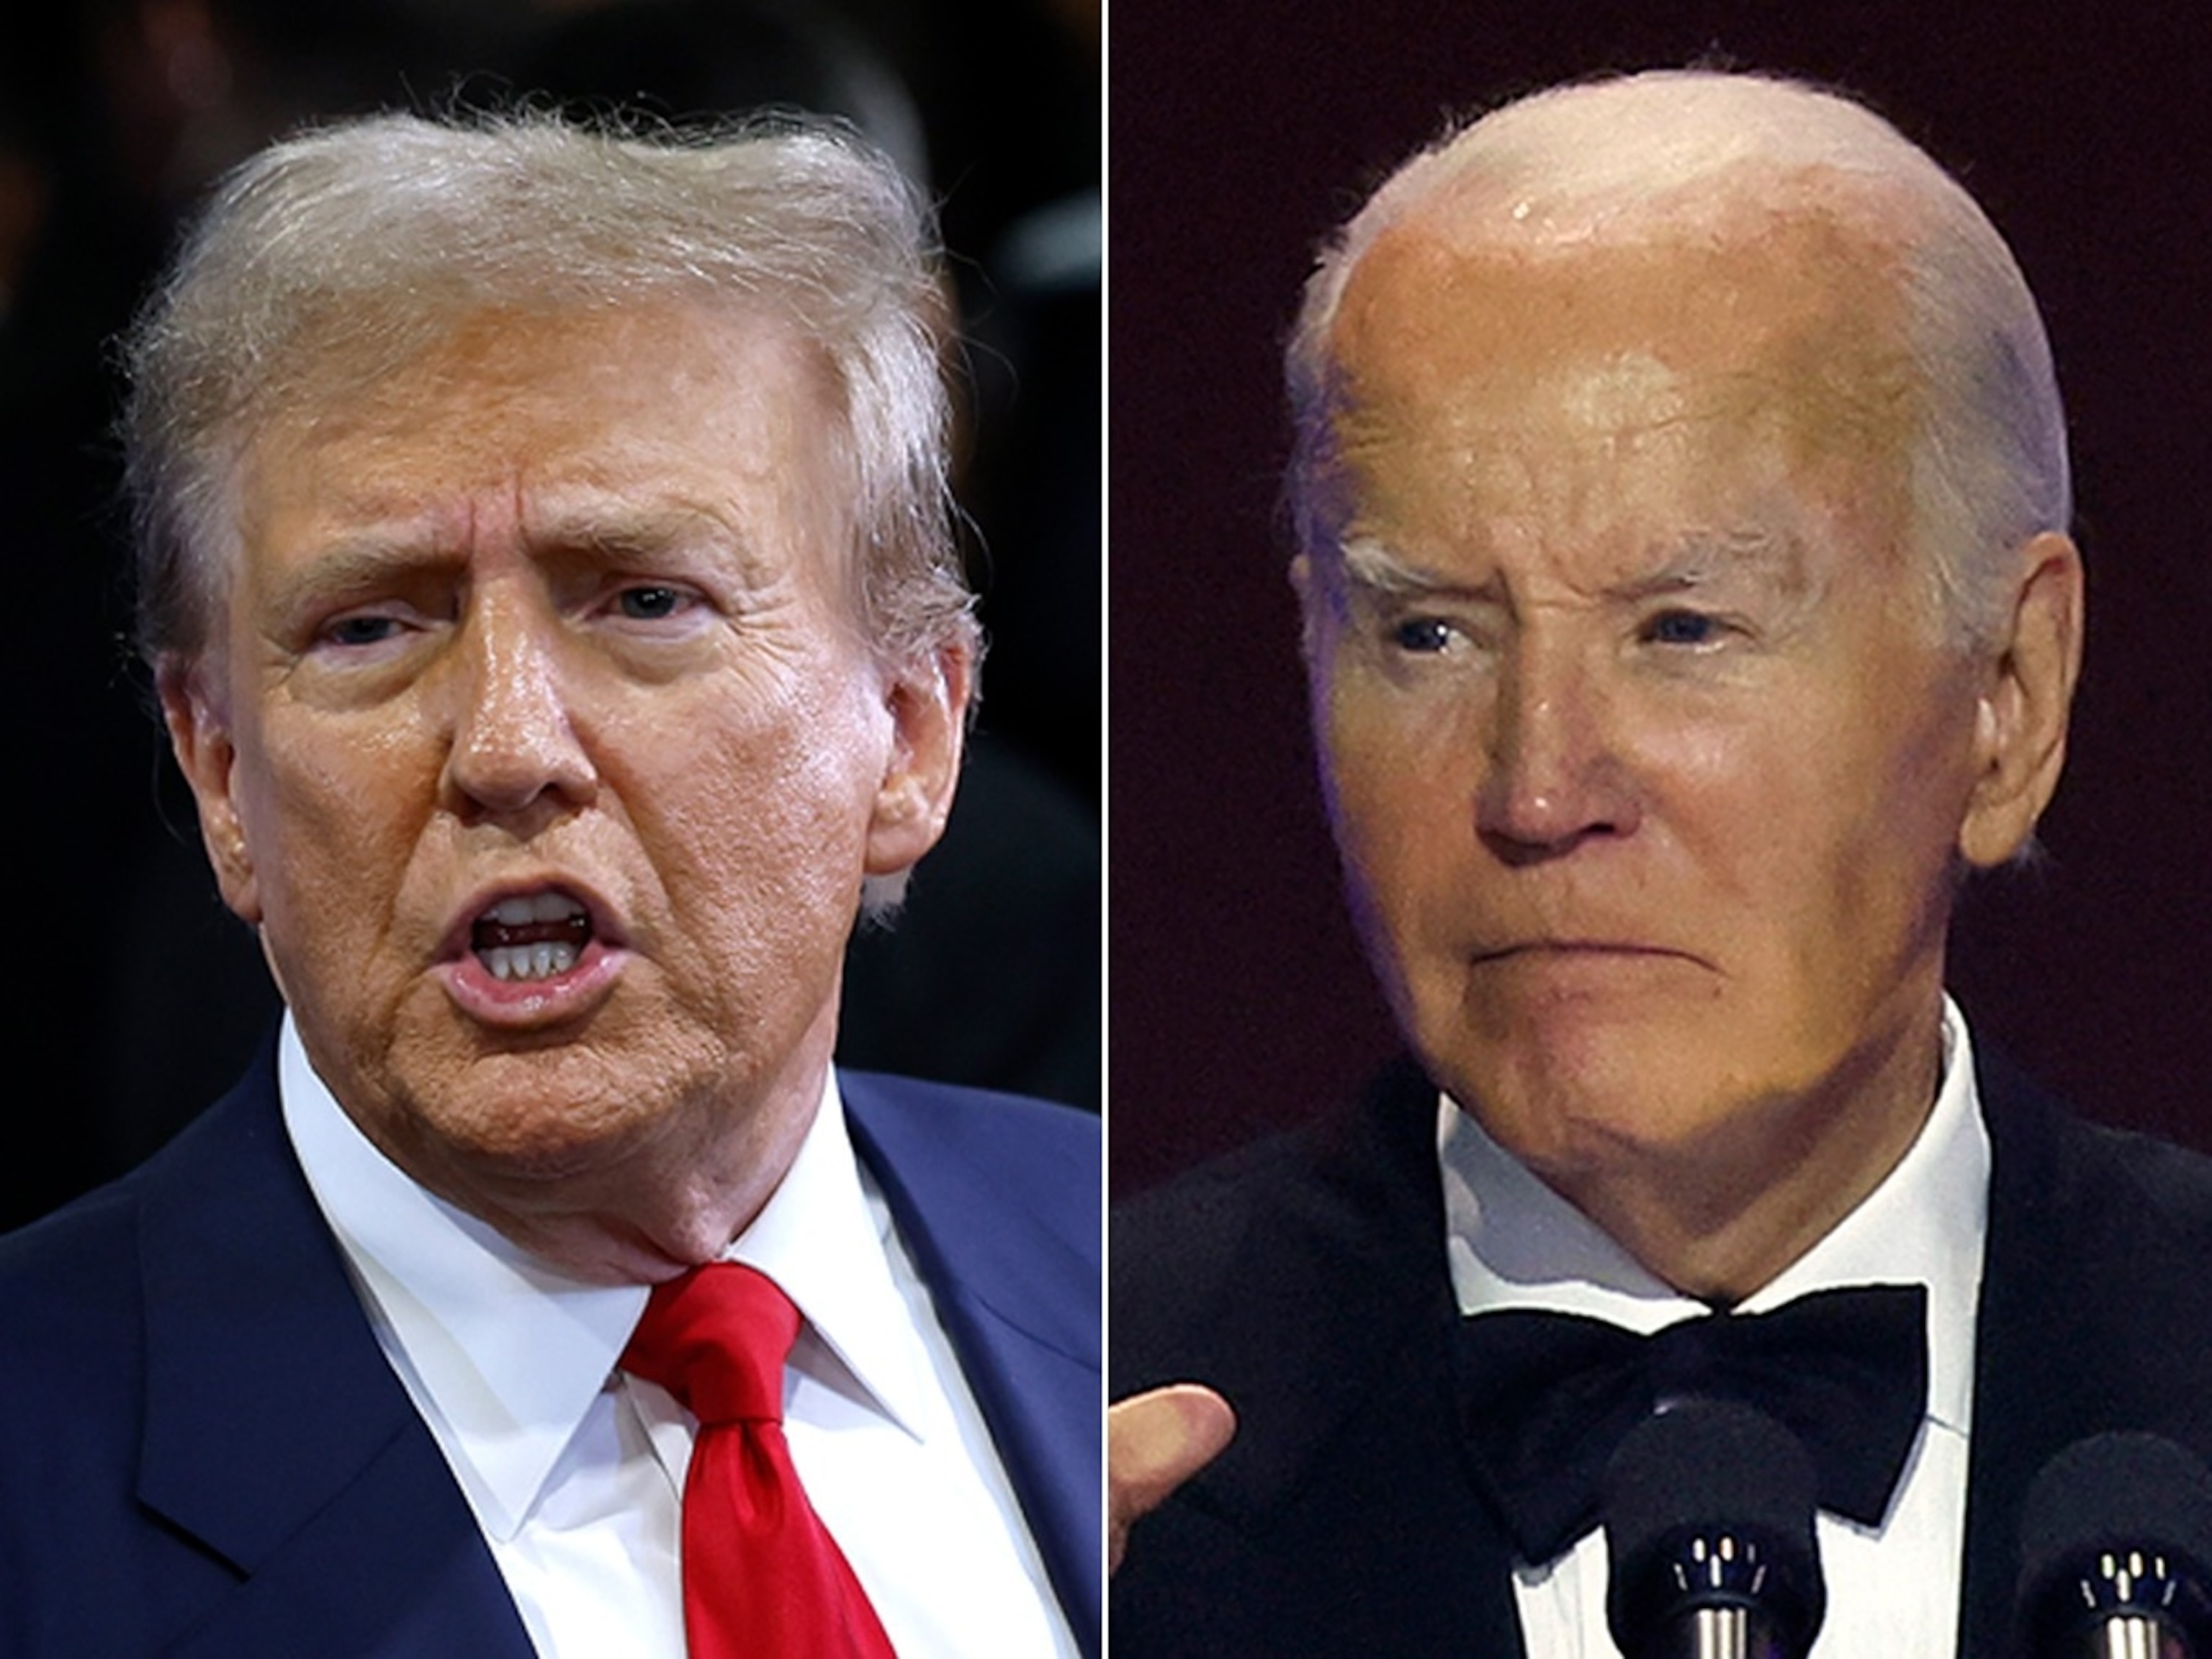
(1572, 948)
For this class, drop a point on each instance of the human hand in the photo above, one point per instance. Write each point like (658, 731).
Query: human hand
(1154, 1442)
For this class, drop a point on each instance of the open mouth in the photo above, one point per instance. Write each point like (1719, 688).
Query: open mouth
(530, 937)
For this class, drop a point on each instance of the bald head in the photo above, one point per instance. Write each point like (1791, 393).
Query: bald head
(1931, 341)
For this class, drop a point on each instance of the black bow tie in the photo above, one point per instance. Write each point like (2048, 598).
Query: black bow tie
(1545, 1398)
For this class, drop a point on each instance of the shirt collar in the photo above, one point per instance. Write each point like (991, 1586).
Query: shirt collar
(503, 1355)
(825, 1237)
(1511, 1241)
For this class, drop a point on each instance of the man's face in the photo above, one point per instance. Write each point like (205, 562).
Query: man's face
(1648, 766)
(542, 747)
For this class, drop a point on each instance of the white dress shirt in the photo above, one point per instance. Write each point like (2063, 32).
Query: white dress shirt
(1892, 1590)
(575, 1470)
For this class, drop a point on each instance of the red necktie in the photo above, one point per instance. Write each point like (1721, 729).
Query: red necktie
(762, 1576)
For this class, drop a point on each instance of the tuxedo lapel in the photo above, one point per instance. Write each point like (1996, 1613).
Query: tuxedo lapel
(2096, 1314)
(1340, 1281)
(1310, 1287)
(1005, 1232)
(274, 1432)
(2021, 1401)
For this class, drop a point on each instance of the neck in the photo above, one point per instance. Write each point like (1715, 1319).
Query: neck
(644, 1206)
(651, 1221)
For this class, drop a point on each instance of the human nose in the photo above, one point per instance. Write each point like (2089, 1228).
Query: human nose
(515, 742)
(1554, 777)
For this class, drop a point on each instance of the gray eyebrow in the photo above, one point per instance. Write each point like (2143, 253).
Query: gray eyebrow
(1699, 559)
(1368, 564)
(1705, 558)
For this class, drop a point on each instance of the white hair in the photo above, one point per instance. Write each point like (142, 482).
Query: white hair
(1627, 158)
(355, 247)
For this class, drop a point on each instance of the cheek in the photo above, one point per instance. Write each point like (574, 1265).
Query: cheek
(1830, 839)
(1397, 757)
(757, 813)
(334, 819)
(325, 809)
(1402, 841)
(1401, 806)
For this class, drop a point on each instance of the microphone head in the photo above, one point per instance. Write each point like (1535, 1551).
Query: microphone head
(1708, 1504)
(2117, 1525)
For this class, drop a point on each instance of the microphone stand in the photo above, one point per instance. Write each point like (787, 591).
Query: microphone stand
(1727, 1634)
(2136, 1637)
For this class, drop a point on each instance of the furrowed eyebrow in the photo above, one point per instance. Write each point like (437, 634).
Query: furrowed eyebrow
(1703, 560)
(620, 528)
(359, 564)
(1371, 568)
(1731, 560)
(623, 533)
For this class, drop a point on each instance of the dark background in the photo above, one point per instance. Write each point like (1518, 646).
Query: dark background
(1244, 130)
(132, 998)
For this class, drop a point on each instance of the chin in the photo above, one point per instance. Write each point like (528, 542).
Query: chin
(530, 1115)
(1564, 1107)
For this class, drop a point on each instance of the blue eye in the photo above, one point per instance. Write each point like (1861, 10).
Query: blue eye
(1423, 636)
(649, 603)
(1681, 627)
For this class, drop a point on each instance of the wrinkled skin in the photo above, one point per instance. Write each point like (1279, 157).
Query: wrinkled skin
(1652, 765)
(564, 605)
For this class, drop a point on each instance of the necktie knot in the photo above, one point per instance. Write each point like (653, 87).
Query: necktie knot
(763, 1577)
(717, 1337)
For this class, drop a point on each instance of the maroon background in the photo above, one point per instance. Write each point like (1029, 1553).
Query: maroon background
(1241, 130)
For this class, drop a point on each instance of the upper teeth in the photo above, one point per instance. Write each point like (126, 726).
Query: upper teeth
(535, 907)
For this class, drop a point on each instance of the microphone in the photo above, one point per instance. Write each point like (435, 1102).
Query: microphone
(2115, 1539)
(1708, 1508)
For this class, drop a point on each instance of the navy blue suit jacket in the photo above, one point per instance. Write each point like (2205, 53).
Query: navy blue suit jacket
(1306, 1279)
(202, 1451)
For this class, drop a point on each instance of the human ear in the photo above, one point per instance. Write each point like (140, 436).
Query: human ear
(927, 700)
(200, 737)
(2019, 725)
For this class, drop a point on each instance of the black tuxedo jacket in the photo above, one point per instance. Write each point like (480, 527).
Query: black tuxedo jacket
(1306, 1279)
(203, 1452)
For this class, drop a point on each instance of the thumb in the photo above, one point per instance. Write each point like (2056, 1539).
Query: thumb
(1154, 1442)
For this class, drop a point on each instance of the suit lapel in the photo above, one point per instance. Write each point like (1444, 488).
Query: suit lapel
(276, 1434)
(994, 1236)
